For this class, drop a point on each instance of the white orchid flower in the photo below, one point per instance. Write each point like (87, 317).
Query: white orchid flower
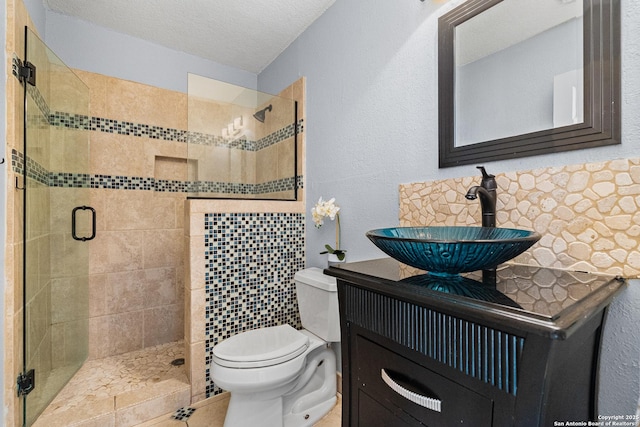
(324, 209)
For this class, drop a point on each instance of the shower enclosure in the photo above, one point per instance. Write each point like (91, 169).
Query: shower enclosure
(57, 225)
(242, 144)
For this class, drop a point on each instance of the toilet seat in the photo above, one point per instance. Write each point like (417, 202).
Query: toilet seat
(261, 347)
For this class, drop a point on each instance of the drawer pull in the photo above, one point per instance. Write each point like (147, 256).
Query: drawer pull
(418, 399)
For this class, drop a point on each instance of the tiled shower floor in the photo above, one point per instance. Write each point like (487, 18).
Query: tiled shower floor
(91, 397)
(101, 380)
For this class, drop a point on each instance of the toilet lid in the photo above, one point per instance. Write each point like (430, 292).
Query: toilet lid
(261, 347)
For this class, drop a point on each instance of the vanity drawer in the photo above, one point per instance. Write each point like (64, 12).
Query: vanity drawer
(402, 385)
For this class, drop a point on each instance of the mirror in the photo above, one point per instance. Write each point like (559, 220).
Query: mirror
(525, 77)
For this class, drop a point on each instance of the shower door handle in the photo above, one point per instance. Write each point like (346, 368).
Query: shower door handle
(93, 223)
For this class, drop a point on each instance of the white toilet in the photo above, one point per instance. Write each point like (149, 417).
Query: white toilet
(279, 376)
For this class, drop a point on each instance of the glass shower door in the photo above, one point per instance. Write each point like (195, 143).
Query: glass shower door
(57, 224)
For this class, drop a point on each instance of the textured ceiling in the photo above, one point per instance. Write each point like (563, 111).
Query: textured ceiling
(245, 34)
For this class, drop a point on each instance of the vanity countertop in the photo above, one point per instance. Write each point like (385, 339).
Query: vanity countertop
(543, 301)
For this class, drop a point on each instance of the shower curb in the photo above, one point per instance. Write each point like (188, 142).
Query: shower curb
(127, 409)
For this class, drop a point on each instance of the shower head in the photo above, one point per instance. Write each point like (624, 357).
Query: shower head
(260, 114)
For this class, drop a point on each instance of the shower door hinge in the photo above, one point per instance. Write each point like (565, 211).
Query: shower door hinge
(26, 382)
(26, 72)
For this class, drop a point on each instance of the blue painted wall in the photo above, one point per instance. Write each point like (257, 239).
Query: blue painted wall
(372, 123)
(89, 47)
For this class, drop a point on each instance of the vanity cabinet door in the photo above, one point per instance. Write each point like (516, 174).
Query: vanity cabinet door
(407, 388)
(373, 414)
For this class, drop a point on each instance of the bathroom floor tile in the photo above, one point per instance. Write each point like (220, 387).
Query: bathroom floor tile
(211, 412)
(333, 418)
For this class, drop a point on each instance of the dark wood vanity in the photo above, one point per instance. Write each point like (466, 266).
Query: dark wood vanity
(518, 350)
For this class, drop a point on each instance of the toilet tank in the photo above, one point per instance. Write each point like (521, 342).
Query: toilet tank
(318, 303)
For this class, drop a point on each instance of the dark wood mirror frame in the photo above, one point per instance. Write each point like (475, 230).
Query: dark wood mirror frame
(601, 124)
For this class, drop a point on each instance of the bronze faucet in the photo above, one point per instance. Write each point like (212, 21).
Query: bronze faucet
(488, 196)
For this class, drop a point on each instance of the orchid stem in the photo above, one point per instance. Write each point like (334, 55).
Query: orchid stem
(337, 231)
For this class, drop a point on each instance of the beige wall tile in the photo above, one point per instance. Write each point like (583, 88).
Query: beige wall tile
(180, 212)
(212, 164)
(113, 154)
(69, 298)
(114, 251)
(125, 292)
(197, 299)
(67, 92)
(97, 295)
(97, 201)
(62, 202)
(207, 116)
(201, 206)
(138, 210)
(286, 157)
(239, 166)
(197, 261)
(69, 150)
(125, 332)
(163, 324)
(99, 337)
(160, 287)
(188, 318)
(198, 368)
(139, 103)
(97, 84)
(162, 248)
(196, 225)
(267, 164)
(179, 275)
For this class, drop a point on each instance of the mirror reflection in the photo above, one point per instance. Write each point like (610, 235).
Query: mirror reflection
(518, 69)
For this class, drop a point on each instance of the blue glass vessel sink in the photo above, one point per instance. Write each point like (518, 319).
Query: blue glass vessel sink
(448, 251)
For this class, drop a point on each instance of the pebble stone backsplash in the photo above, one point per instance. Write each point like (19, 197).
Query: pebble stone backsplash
(588, 214)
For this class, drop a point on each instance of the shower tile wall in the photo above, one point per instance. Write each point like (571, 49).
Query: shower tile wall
(256, 163)
(136, 264)
(137, 143)
(138, 173)
(258, 280)
(250, 261)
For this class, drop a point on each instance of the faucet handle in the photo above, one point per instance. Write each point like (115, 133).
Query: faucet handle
(488, 180)
(485, 175)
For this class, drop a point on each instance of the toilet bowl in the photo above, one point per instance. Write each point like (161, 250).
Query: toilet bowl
(280, 376)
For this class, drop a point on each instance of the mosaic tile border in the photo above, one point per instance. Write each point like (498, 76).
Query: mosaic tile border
(183, 414)
(122, 127)
(97, 124)
(251, 260)
(70, 180)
